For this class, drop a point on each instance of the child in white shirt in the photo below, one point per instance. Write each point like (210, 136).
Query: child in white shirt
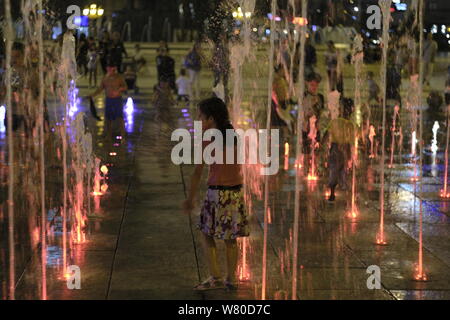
(184, 87)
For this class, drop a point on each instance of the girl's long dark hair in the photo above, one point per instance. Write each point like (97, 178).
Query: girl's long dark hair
(217, 109)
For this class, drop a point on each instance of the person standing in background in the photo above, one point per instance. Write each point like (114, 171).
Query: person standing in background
(138, 58)
(116, 52)
(165, 66)
(331, 62)
(193, 65)
(92, 61)
(103, 50)
(82, 51)
(430, 48)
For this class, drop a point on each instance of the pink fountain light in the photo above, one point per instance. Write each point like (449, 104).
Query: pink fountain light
(445, 192)
(312, 174)
(286, 156)
(372, 134)
(354, 212)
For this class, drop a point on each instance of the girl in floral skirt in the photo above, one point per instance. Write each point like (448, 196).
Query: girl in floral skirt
(223, 215)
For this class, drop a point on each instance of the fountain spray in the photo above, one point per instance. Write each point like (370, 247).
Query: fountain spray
(266, 183)
(298, 149)
(444, 192)
(40, 25)
(357, 60)
(385, 6)
(396, 109)
(420, 274)
(9, 35)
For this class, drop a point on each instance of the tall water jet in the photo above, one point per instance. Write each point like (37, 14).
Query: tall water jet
(9, 35)
(444, 192)
(420, 273)
(298, 148)
(385, 6)
(268, 125)
(396, 109)
(68, 73)
(357, 60)
(372, 134)
(240, 53)
(40, 25)
(434, 149)
(312, 174)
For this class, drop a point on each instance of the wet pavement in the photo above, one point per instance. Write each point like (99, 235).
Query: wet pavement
(141, 246)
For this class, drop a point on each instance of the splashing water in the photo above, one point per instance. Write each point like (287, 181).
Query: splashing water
(385, 6)
(434, 146)
(444, 192)
(396, 109)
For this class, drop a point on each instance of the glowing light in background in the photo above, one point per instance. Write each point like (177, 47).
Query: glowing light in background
(2, 118)
(444, 192)
(104, 169)
(129, 112)
(434, 146)
(286, 156)
(73, 99)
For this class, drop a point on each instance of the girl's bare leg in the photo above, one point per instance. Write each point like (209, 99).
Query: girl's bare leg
(211, 255)
(232, 259)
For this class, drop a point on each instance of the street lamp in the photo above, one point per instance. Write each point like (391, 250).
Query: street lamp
(93, 11)
(239, 14)
(300, 21)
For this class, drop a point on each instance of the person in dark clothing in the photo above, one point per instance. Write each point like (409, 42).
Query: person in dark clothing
(103, 50)
(82, 51)
(393, 83)
(165, 66)
(116, 51)
(310, 60)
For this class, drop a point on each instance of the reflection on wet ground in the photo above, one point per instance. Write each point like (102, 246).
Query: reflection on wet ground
(140, 246)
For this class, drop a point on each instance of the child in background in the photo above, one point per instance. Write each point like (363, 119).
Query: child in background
(374, 89)
(139, 58)
(341, 134)
(223, 215)
(184, 87)
(92, 64)
(114, 85)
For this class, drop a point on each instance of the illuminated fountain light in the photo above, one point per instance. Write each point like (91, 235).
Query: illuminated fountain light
(312, 175)
(243, 267)
(286, 156)
(372, 134)
(99, 188)
(129, 112)
(129, 106)
(354, 212)
(414, 141)
(434, 146)
(74, 101)
(2, 119)
(381, 238)
(434, 149)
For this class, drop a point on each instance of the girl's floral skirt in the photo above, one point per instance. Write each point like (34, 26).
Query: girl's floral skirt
(223, 215)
